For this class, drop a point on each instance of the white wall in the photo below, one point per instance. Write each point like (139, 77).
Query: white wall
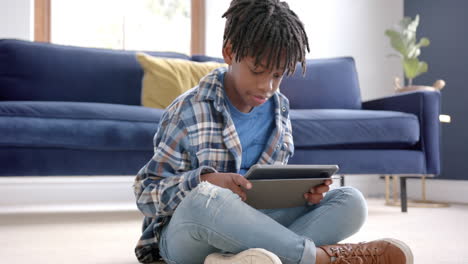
(17, 19)
(337, 28)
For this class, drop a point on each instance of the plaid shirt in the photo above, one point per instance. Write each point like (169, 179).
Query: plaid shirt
(196, 135)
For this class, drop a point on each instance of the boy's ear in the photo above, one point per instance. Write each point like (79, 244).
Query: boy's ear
(227, 53)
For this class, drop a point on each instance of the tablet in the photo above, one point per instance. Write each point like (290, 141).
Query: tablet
(286, 193)
(283, 186)
(261, 171)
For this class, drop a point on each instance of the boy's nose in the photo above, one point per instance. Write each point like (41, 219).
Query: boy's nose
(265, 85)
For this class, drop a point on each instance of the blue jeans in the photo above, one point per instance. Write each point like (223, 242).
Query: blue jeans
(214, 219)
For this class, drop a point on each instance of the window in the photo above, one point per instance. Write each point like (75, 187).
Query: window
(162, 25)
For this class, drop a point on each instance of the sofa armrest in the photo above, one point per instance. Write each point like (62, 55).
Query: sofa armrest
(426, 106)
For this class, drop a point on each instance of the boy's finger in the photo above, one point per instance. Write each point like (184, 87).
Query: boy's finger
(240, 180)
(322, 188)
(313, 198)
(240, 192)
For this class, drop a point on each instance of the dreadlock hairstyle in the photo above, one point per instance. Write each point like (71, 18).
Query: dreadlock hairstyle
(266, 29)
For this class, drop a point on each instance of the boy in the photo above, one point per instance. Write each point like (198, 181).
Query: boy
(192, 190)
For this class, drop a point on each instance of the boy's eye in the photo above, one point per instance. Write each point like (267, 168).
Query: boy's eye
(277, 75)
(257, 73)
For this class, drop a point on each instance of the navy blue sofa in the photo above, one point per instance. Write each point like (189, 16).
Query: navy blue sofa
(76, 111)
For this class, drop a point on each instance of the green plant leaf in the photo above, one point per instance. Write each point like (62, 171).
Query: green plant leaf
(422, 67)
(405, 22)
(414, 52)
(414, 68)
(424, 42)
(413, 25)
(396, 41)
(403, 40)
(409, 37)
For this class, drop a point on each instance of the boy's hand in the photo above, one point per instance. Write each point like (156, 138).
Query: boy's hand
(232, 181)
(315, 195)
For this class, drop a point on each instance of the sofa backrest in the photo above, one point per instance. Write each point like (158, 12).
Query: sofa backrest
(328, 84)
(204, 58)
(50, 72)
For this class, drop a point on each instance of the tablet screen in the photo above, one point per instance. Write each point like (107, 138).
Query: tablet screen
(290, 171)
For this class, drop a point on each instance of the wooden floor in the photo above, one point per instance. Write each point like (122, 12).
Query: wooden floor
(436, 236)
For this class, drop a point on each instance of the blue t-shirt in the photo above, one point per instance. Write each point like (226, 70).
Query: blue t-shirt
(254, 130)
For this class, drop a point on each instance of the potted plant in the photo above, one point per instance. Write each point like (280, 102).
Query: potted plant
(403, 40)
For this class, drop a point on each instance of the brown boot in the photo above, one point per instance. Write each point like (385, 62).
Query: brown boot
(382, 251)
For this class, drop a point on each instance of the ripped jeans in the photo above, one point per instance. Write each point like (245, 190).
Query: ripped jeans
(214, 219)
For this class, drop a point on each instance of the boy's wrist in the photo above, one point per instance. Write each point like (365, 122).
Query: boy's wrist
(205, 173)
(194, 177)
(206, 177)
(203, 177)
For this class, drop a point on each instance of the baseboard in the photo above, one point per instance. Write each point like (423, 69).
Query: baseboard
(115, 193)
(66, 194)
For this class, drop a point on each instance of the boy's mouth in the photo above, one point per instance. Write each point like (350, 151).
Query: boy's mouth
(260, 99)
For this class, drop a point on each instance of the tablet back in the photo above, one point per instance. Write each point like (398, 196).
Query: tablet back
(286, 193)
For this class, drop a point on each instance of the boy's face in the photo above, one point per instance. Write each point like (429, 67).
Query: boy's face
(248, 85)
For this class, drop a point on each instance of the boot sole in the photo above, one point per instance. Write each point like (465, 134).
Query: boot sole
(404, 247)
(250, 256)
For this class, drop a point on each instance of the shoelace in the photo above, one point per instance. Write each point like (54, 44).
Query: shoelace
(356, 254)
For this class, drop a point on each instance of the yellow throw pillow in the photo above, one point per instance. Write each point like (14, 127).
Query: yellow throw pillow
(164, 79)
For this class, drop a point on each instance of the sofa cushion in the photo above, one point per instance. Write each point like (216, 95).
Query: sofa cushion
(165, 79)
(365, 161)
(53, 161)
(94, 126)
(328, 84)
(204, 58)
(329, 128)
(32, 71)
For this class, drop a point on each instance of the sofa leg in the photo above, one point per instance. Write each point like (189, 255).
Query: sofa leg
(342, 182)
(387, 189)
(403, 196)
